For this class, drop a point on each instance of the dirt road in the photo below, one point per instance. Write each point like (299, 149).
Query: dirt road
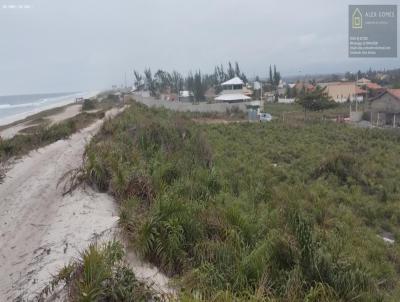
(40, 230)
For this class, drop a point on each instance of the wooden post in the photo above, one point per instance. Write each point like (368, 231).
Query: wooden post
(394, 120)
(377, 121)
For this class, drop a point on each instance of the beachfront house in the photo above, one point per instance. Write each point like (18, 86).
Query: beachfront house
(232, 92)
(385, 108)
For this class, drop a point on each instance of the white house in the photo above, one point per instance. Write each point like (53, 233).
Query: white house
(186, 96)
(232, 92)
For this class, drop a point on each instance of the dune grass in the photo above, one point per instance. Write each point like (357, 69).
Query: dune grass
(99, 274)
(255, 212)
(41, 135)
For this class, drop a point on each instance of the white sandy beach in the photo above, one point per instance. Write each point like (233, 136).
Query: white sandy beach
(41, 230)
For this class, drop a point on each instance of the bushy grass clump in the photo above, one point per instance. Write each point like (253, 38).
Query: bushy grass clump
(89, 104)
(100, 274)
(255, 212)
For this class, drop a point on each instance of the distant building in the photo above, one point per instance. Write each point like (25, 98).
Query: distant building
(247, 91)
(382, 76)
(169, 97)
(257, 85)
(367, 84)
(282, 91)
(303, 86)
(374, 86)
(342, 92)
(186, 96)
(363, 81)
(385, 109)
(232, 92)
(269, 97)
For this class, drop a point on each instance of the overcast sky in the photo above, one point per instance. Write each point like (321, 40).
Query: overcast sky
(71, 45)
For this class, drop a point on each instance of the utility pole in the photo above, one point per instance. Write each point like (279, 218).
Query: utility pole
(356, 94)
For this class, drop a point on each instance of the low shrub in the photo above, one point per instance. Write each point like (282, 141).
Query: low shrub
(89, 104)
(100, 274)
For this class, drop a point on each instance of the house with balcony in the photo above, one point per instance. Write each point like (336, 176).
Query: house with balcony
(233, 91)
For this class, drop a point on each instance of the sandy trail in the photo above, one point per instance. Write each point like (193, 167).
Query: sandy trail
(40, 230)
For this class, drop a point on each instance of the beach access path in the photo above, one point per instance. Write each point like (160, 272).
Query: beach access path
(40, 229)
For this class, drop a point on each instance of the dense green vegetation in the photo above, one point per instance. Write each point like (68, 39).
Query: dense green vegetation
(316, 100)
(99, 274)
(260, 212)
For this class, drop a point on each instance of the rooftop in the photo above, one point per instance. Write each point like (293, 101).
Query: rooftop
(234, 81)
(373, 86)
(394, 92)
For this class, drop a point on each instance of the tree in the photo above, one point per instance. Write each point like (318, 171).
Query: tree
(162, 80)
(316, 100)
(289, 93)
(149, 82)
(243, 77)
(198, 87)
(231, 71)
(271, 79)
(237, 70)
(138, 80)
(176, 82)
(277, 78)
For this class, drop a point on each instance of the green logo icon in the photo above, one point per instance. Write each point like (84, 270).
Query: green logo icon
(357, 19)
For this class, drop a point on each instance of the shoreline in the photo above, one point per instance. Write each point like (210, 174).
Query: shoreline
(13, 120)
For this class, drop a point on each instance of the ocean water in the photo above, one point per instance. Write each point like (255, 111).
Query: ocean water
(15, 107)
